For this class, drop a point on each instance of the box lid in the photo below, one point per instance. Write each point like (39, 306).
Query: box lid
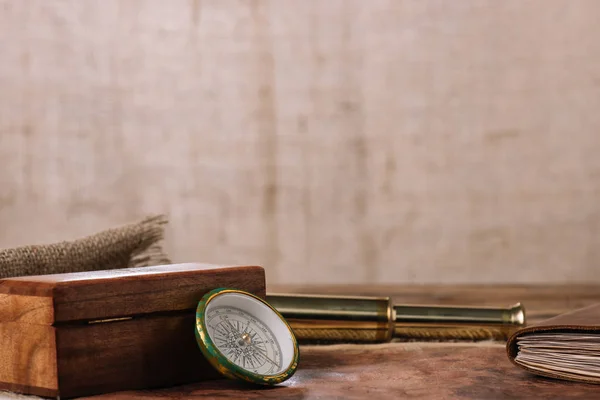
(129, 292)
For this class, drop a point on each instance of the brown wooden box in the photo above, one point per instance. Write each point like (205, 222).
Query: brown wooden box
(88, 333)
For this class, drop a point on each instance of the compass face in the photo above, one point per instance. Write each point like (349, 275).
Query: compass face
(245, 340)
(244, 337)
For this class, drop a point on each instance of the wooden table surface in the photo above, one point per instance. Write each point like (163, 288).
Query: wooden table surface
(467, 370)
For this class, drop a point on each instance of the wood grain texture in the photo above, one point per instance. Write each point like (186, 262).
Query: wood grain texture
(331, 141)
(28, 358)
(26, 309)
(412, 370)
(137, 354)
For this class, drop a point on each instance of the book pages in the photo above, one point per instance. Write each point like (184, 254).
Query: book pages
(569, 355)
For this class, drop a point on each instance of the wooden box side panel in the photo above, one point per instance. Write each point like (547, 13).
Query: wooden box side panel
(149, 352)
(28, 359)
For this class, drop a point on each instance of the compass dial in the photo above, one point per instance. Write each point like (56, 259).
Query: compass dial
(244, 340)
(244, 337)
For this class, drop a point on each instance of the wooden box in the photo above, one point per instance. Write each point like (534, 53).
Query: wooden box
(88, 333)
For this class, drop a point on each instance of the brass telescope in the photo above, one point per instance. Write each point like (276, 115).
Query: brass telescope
(318, 318)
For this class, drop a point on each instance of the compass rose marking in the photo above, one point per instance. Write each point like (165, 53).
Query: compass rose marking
(244, 340)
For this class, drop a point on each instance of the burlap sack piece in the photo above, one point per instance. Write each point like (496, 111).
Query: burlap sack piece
(134, 245)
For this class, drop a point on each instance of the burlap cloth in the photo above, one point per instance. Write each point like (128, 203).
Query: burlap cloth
(134, 245)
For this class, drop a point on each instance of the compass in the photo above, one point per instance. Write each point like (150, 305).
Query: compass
(243, 337)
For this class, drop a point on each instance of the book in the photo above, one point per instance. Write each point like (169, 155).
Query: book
(565, 347)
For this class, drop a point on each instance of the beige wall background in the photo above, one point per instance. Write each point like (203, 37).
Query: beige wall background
(330, 141)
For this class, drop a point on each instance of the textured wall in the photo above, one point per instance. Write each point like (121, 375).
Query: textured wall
(331, 141)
